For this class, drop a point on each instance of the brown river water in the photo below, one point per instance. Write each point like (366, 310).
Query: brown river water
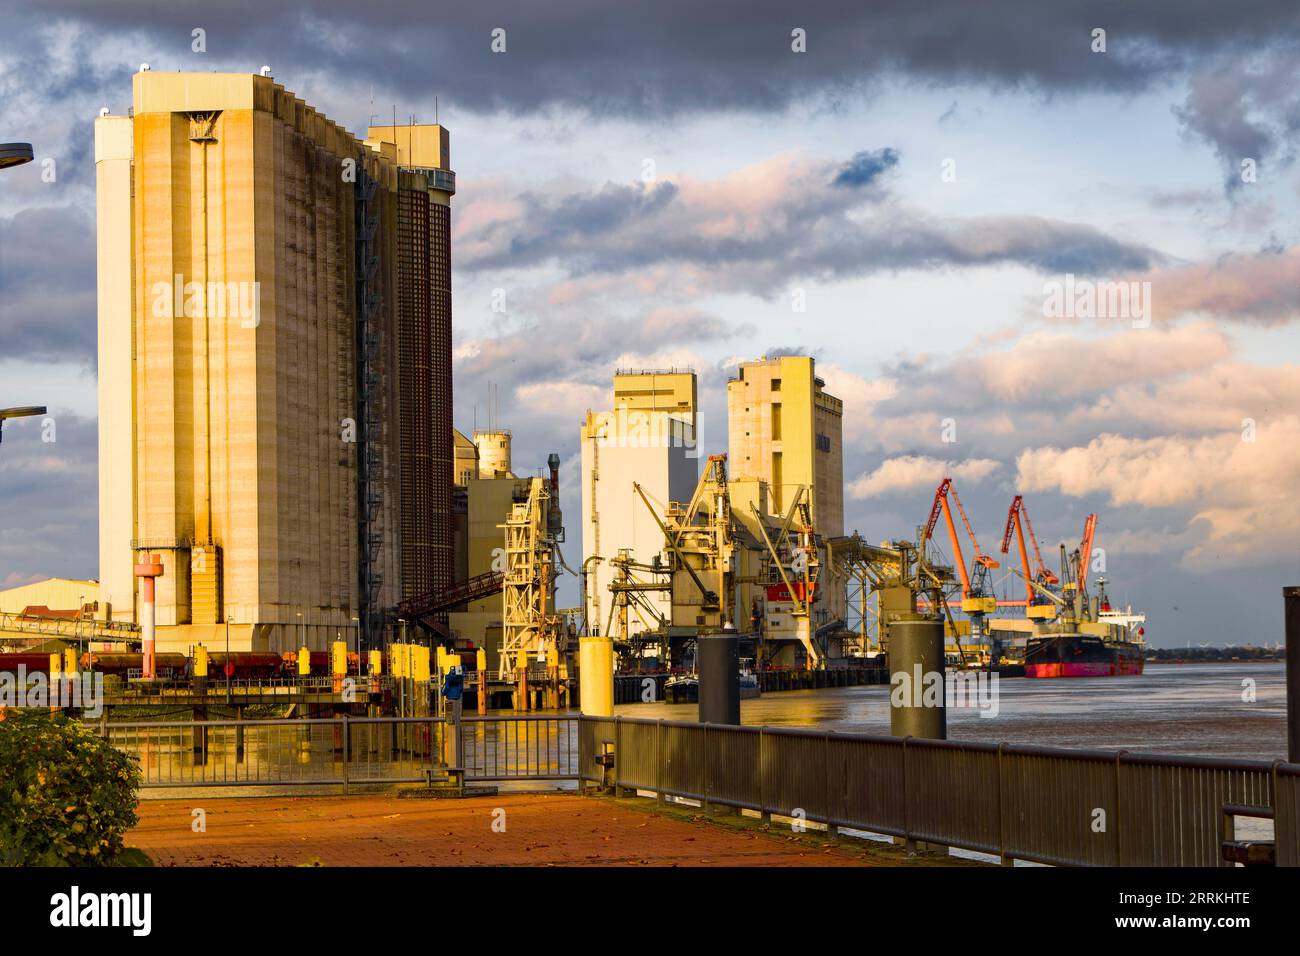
(1202, 709)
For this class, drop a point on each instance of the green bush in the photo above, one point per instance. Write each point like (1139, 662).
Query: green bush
(66, 797)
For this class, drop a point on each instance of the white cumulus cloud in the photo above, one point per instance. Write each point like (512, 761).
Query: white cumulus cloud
(916, 471)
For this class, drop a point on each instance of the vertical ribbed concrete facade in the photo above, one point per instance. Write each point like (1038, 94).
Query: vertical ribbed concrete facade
(238, 391)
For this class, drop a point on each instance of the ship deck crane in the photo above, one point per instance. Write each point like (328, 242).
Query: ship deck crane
(1085, 549)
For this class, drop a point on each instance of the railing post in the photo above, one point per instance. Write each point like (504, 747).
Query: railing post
(347, 740)
(1116, 829)
(764, 813)
(583, 763)
(707, 776)
(908, 842)
(831, 829)
(618, 755)
(659, 761)
(1003, 858)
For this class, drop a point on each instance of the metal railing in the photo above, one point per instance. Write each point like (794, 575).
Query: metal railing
(347, 751)
(281, 753)
(77, 628)
(1039, 804)
(519, 748)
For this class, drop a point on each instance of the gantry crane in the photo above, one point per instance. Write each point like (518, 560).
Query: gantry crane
(705, 545)
(633, 580)
(700, 544)
(530, 626)
(897, 573)
(793, 554)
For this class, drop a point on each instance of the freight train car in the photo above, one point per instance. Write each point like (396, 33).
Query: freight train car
(126, 665)
(31, 663)
(248, 665)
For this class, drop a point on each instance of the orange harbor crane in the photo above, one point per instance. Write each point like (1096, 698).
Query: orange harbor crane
(977, 601)
(1042, 575)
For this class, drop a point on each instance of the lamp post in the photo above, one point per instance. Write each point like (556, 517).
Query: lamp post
(78, 635)
(15, 154)
(228, 668)
(22, 411)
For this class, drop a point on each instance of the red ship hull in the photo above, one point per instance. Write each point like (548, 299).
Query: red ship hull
(1074, 655)
(1118, 669)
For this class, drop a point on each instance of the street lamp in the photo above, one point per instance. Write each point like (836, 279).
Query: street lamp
(22, 411)
(77, 633)
(15, 154)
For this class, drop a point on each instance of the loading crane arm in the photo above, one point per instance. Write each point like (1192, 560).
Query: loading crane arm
(710, 596)
(1014, 528)
(941, 505)
(1037, 588)
(1085, 549)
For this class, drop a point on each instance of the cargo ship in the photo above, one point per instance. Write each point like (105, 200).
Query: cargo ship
(1082, 655)
(1109, 645)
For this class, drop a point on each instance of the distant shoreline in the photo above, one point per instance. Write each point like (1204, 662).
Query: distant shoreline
(1213, 655)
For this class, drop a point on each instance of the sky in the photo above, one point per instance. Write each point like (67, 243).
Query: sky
(903, 191)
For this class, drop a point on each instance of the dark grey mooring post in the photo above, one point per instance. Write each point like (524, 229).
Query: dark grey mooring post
(718, 660)
(1291, 602)
(916, 679)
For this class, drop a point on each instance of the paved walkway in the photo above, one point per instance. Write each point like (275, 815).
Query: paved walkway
(540, 830)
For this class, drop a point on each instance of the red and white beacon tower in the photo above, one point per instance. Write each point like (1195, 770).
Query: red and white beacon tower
(150, 567)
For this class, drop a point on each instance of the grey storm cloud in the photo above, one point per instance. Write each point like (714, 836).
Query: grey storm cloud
(576, 345)
(1245, 109)
(594, 214)
(47, 285)
(679, 56)
(814, 229)
(865, 167)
